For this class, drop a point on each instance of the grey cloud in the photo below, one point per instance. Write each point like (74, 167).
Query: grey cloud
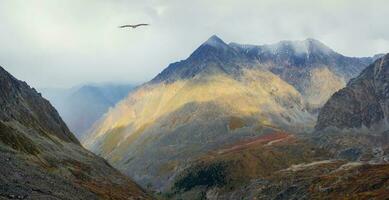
(55, 43)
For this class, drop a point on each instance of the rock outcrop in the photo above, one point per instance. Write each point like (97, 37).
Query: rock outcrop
(364, 102)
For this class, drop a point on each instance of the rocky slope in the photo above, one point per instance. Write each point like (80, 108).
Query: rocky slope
(285, 166)
(314, 69)
(81, 107)
(220, 94)
(227, 169)
(363, 103)
(41, 159)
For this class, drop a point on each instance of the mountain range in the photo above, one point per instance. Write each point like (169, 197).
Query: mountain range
(220, 95)
(231, 121)
(41, 159)
(346, 157)
(312, 68)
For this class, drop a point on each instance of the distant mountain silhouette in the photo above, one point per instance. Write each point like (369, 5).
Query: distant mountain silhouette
(81, 107)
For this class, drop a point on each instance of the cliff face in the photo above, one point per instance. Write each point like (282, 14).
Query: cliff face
(41, 159)
(363, 102)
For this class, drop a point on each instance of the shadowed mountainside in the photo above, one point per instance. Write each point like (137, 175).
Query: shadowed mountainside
(363, 103)
(41, 159)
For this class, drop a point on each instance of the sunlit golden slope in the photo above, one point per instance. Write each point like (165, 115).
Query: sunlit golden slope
(322, 84)
(257, 92)
(255, 98)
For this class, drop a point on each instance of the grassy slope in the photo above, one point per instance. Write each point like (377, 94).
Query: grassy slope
(279, 166)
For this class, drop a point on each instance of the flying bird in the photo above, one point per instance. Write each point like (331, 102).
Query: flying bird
(133, 26)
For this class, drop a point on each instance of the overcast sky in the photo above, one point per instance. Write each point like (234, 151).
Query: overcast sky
(62, 43)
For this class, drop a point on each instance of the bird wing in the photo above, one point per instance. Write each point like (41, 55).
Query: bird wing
(127, 25)
(133, 26)
(140, 25)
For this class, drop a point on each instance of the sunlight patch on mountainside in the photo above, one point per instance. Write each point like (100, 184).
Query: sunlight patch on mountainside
(322, 85)
(257, 92)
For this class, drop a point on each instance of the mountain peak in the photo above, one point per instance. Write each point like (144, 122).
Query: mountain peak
(315, 45)
(299, 47)
(313, 40)
(378, 56)
(384, 56)
(381, 67)
(213, 48)
(215, 41)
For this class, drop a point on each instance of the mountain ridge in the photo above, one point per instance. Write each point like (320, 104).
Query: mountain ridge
(41, 159)
(296, 62)
(363, 102)
(47, 120)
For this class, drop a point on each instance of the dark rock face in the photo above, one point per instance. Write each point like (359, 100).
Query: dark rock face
(41, 159)
(212, 56)
(21, 103)
(364, 102)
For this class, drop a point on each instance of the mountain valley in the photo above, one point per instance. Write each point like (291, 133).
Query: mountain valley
(292, 120)
(194, 100)
(80, 107)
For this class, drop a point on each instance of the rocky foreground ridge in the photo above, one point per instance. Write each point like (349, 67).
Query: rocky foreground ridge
(41, 159)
